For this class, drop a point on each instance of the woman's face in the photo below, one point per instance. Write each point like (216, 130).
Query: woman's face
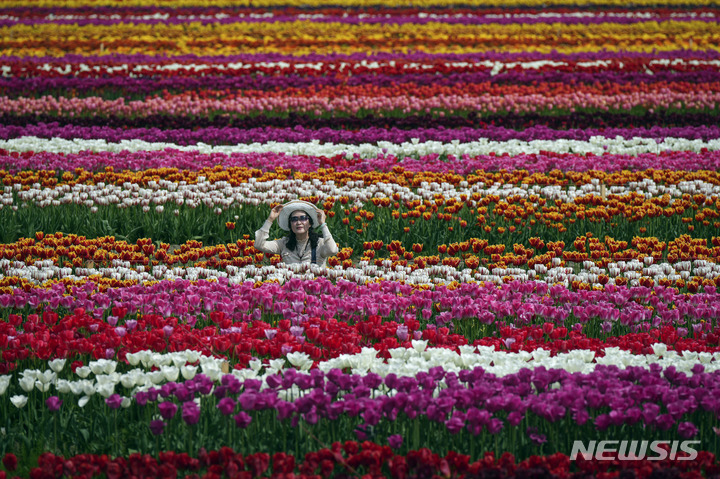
(299, 222)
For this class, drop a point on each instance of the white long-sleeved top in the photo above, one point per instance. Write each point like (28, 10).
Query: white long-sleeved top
(326, 246)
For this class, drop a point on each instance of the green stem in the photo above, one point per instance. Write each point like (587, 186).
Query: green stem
(55, 432)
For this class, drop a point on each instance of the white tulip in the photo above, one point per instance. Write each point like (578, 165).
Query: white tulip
(57, 365)
(255, 364)
(419, 345)
(106, 390)
(156, 377)
(129, 380)
(27, 383)
(277, 365)
(133, 358)
(47, 376)
(188, 372)
(75, 387)
(88, 388)
(4, 383)
(171, 373)
(659, 349)
(19, 401)
(300, 360)
(192, 356)
(178, 360)
(63, 386)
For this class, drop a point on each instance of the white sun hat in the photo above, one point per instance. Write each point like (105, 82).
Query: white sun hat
(296, 205)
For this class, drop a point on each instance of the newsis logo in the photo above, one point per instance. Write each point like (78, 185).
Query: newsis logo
(634, 450)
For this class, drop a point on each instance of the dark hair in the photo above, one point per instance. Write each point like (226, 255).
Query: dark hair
(291, 243)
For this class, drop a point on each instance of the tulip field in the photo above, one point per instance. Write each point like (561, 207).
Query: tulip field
(526, 199)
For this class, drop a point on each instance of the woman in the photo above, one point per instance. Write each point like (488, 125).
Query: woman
(306, 243)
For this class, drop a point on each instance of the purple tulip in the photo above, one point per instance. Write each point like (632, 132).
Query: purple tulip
(183, 392)
(402, 332)
(686, 430)
(157, 427)
(204, 384)
(242, 419)
(455, 423)
(141, 398)
(252, 384)
(274, 381)
(395, 441)
(167, 389)
(270, 333)
(515, 418)
(286, 409)
(190, 412)
(536, 437)
(226, 406)
(371, 416)
(361, 433)
(114, 401)
(153, 394)
(53, 403)
(311, 416)
(495, 426)
(247, 400)
(167, 409)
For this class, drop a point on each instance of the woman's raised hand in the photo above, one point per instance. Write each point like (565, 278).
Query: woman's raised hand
(275, 212)
(320, 216)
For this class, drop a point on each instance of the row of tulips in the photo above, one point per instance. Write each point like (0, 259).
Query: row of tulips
(467, 411)
(428, 208)
(153, 5)
(384, 189)
(443, 11)
(372, 68)
(319, 318)
(343, 102)
(313, 338)
(232, 136)
(142, 372)
(305, 37)
(350, 459)
(325, 297)
(487, 156)
(193, 75)
(700, 272)
(467, 16)
(631, 162)
(117, 263)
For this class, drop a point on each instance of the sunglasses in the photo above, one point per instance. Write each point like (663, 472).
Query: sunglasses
(295, 219)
